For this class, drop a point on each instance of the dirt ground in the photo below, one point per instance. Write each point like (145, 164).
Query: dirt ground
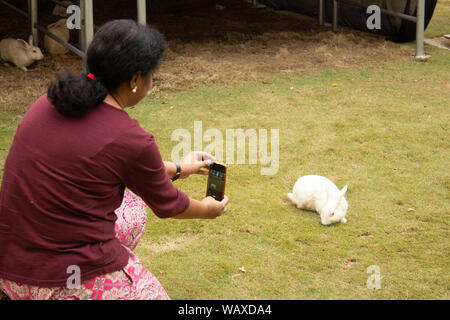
(206, 45)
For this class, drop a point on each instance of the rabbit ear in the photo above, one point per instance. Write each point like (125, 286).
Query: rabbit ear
(342, 192)
(30, 40)
(23, 44)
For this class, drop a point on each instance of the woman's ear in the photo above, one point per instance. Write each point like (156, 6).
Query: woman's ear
(136, 79)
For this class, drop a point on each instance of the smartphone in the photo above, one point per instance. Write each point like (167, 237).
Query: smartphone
(216, 181)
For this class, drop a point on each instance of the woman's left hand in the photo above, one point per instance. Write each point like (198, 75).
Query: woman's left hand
(195, 163)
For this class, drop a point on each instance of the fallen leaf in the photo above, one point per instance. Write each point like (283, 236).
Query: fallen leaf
(411, 209)
(349, 263)
(242, 269)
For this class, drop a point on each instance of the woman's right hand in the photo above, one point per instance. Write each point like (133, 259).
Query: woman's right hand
(208, 208)
(215, 208)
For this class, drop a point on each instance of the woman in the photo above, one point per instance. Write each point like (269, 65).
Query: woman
(66, 229)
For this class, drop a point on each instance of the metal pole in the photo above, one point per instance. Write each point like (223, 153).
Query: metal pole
(81, 40)
(88, 22)
(33, 19)
(321, 12)
(142, 12)
(87, 31)
(62, 42)
(335, 15)
(420, 30)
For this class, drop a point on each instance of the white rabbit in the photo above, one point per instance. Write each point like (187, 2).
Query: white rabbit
(19, 52)
(61, 11)
(60, 30)
(319, 194)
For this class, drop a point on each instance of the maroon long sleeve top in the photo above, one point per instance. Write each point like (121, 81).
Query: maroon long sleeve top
(63, 179)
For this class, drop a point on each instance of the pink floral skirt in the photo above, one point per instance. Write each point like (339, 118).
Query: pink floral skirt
(133, 282)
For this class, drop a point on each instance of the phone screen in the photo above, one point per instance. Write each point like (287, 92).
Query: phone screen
(216, 181)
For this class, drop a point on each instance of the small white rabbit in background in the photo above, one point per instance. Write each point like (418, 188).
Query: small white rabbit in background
(319, 194)
(60, 30)
(19, 52)
(61, 11)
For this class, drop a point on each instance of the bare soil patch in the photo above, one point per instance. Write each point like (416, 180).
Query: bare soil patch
(206, 45)
(170, 244)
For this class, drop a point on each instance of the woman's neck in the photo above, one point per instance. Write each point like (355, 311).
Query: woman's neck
(112, 101)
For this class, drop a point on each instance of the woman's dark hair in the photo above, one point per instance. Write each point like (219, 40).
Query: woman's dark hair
(120, 49)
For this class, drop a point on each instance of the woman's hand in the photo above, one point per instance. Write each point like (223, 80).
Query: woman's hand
(195, 163)
(208, 208)
(215, 208)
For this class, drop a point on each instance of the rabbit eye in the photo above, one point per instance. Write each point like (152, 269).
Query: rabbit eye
(332, 214)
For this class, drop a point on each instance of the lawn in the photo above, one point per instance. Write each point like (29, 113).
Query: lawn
(381, 129)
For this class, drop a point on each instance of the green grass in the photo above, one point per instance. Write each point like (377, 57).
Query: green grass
(384, 131)
(440, 23)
